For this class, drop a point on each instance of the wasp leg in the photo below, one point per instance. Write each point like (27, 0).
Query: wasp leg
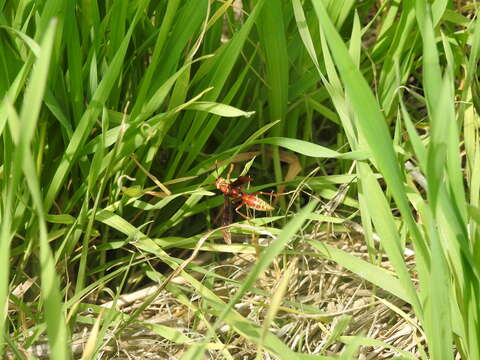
(237, 210)
(227, 219)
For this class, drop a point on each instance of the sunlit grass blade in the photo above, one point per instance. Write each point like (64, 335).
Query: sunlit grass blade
(374, 129)
(50, 286)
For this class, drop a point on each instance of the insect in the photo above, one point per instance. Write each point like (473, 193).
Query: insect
(233, 193)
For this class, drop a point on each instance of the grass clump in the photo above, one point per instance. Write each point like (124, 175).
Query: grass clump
(117, 117)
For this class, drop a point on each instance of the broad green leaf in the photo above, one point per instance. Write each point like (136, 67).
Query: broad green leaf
(218, 109)
(311, 149)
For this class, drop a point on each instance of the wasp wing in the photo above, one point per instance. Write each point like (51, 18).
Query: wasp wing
(240, 181)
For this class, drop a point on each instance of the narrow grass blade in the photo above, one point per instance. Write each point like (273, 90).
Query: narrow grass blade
(223, 64)
(373, 126)
(50, 285)
(88, 119)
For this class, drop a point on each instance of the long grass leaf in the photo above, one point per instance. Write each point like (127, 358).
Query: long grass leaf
(88, 119)
(50, 285)
(374, 129)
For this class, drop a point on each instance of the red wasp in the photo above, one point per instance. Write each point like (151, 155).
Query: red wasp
(233, 193)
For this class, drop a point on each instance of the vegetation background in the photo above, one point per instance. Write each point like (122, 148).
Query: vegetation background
(117, 117)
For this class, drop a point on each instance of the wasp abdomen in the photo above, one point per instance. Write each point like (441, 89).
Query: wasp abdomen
(256, 203)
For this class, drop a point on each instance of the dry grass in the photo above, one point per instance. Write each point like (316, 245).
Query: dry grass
(323, 302)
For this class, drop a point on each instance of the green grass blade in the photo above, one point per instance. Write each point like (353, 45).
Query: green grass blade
(50, 285)
(271, 26)
(372, 124)
(224, 63)
(88, 119)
